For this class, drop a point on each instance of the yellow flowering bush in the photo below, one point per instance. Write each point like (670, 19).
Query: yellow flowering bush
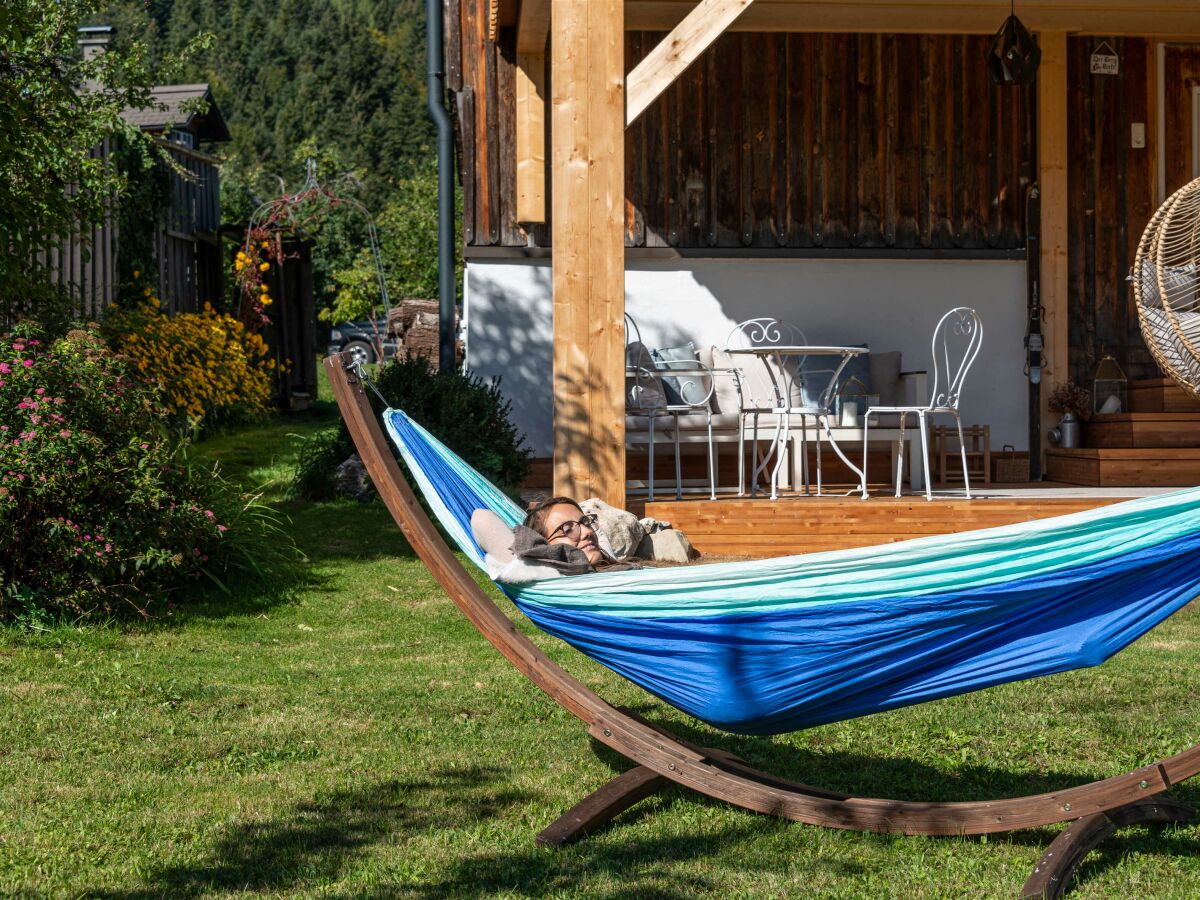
(207, 365)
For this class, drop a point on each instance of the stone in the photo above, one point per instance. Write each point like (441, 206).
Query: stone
(670, 545)
(351, 480)
(621, 528)
(652, 525)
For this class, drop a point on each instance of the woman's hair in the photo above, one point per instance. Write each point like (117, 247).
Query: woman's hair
(536, 515)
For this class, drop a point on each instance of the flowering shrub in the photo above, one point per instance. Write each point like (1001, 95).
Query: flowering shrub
(206, 365)
(96, 506)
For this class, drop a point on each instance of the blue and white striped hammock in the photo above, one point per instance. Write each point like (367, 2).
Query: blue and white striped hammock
(771, 646)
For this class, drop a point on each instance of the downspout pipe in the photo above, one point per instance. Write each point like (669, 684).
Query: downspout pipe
(435, 87)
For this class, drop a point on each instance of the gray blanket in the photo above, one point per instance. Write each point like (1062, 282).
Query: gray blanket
(529, 545)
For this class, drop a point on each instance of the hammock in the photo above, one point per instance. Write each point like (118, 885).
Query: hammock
(771, 646)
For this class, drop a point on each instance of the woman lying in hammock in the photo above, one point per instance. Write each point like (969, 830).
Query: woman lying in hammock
(557, 532)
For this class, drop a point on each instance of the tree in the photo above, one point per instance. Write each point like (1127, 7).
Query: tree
(55, 109)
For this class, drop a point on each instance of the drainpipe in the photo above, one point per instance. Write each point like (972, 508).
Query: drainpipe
(435, 86)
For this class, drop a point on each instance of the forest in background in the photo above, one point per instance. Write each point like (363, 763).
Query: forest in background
(341, 81)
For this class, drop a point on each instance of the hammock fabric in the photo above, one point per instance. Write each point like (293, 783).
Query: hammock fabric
(777, 645)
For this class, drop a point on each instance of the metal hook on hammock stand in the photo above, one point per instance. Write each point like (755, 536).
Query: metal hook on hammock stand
(359, 368)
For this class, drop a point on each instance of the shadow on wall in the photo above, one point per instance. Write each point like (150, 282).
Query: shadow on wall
(510, 337)
(890, 305)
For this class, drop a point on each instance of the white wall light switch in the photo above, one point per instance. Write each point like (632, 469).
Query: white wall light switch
(1138, 135)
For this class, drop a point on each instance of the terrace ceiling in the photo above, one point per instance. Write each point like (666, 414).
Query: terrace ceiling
(1165, 19)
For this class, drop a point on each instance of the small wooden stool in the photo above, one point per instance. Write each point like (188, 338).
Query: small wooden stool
(946, 466)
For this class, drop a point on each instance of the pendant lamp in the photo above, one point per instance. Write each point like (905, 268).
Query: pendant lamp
(1014, 55)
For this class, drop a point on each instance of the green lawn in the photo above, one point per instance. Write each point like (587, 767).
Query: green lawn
(354, 736)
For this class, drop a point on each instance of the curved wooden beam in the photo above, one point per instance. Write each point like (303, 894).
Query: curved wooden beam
(713, 773)
(1052, 876)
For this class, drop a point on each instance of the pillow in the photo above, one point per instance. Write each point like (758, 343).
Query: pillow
(725, 392)
(643, 390)
(682, 390)
(815, 381)
(884, 369)
(1180, 282)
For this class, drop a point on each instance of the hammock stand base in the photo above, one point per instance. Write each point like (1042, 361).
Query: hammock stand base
(661, 759)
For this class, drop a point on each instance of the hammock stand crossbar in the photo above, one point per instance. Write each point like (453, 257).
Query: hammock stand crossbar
(662, 759)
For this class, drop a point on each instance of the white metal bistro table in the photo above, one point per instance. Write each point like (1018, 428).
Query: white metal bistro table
(783, 378)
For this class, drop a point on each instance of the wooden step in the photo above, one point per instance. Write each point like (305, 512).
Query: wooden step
(762, 528)
(1143, 430)
(1160, 395)
(1145, 467)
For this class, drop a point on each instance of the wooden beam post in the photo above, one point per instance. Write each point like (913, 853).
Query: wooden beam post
(533, 27)
(531, 137)
(1052, 179)
(587, 51)
(678, 50)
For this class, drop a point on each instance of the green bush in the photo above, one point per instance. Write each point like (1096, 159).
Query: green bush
(100, 508)
(467, 414)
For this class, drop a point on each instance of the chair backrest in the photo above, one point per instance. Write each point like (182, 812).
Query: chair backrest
(956, 342)
(763, 384)
(764, 332)
(632, 332)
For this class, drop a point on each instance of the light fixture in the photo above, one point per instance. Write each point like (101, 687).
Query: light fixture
(1014, 55)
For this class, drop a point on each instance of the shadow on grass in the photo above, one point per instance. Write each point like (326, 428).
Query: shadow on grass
(316, 842)
(320, 842)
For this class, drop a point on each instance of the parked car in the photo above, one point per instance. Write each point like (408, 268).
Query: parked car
(359, 338)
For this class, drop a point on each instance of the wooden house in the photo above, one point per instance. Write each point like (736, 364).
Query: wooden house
(848, 166)
(184, 118)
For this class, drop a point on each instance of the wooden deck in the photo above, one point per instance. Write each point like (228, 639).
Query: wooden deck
(759, 527)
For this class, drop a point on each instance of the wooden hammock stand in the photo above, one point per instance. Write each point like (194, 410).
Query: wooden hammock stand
(1095, 810)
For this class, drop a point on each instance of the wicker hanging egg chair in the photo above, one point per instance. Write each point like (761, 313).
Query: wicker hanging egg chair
(1166, 286)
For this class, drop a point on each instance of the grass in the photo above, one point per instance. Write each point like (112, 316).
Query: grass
(353, 736)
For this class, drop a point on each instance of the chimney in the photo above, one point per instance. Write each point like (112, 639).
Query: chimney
(94, 39)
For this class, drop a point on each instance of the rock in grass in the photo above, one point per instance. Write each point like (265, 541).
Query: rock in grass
(622, 528)
(351, 480)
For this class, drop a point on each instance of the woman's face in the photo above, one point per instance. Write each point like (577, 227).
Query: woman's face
(563, 527)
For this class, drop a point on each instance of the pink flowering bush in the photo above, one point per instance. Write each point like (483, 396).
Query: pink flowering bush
(97, 508)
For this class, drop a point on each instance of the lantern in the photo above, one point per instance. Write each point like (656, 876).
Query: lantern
(1109, 388)
(1014, 55)
(852, 403)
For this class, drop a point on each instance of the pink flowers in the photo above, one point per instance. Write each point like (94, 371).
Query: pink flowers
(27, 363)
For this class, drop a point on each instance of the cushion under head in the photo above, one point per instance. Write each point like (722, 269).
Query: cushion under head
(493, 535)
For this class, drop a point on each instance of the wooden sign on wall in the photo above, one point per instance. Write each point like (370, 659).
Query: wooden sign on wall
(1105, 60)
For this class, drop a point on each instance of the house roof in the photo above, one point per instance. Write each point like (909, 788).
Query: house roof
(170, 108)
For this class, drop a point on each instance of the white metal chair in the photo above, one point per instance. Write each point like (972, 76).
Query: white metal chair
(647, 404)
(956, 342)
(779, 395)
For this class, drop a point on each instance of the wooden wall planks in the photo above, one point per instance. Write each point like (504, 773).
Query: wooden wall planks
(784, 140)
(1110, 199)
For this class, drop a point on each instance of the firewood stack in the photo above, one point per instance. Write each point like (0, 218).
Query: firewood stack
(414, 325)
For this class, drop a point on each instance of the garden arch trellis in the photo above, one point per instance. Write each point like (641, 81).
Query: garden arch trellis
(294, 213)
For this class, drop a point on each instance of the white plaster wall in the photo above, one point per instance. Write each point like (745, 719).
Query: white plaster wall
(890, 305)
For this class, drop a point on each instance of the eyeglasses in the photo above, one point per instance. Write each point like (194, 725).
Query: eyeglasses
(570, 530)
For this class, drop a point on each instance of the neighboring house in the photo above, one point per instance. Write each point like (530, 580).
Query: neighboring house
(849, 167)
(186, 245)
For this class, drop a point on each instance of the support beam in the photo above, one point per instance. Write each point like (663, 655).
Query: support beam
(587, 50)
(678, 50)
(533, 26)
(1052, 178)
(531, 137)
